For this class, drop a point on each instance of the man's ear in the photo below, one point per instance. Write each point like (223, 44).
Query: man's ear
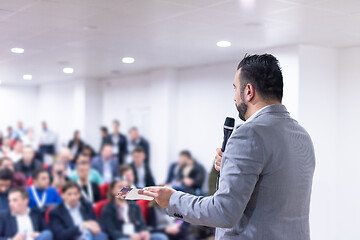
(249, 92)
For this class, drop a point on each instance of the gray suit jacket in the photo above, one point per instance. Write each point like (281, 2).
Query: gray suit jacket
(98, 164)
(265, 183)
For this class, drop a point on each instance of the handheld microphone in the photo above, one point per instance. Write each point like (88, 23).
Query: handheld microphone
(228, 129)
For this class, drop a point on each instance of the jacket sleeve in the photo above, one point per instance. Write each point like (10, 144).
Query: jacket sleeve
(59, 230)
(241, 166)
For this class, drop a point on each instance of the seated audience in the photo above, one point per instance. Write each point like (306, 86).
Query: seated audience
(16, 154)
(19, 179)
(105, 137)
(192, 173)
(74, 219)
(89, 190)
(41, 194)
(6, 178)
(119, 143)
(6, 147)
(127, 173)
(20, 131)
(94, 175)
(89, 151)
(143, 175)
(47, 140)
(137, 140)
(76, 145)
(174, 177)
(20, 222)
(123, 219)
(30, 139)
(160, 221)
(67, 159)
(28, 164)
(58, 176)
(105, 164)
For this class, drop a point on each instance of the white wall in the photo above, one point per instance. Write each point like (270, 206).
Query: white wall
(18, 104)
(347, 145)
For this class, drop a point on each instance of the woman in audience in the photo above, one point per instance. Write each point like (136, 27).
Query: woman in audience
(123, 219)
(76, 145)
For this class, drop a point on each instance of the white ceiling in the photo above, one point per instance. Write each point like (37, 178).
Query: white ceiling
(93, 35)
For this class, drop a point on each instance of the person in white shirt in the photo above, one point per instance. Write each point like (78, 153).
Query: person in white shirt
(20, 222)
(30, 139)
(16, 154)
(48, 140)
(20, 132)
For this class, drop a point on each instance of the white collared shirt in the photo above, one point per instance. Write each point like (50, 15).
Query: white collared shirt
(141, 176)
(255, 114)
(75, 214)
(107, 171)
(24, 223)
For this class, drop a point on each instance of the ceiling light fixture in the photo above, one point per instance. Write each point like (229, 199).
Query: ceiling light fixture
(17, 50)
(27, 77)
(128, 60)
(223, 44)
(68, 70)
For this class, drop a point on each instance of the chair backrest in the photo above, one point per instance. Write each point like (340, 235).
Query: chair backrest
(103, 189)
(98, 206)
(144, 206)
(29, 181)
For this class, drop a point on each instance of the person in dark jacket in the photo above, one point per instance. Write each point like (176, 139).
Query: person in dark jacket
(123, 219)
(76, 145)
(192, 173)
(143, 175)
(137, 140)
(73, 218)
(28, 164)
(19, 179)
(119, 143)
(6, 178)
(89, 190)
(20, 222)
(105, 137)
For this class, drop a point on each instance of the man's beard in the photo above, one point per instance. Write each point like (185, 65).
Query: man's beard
(242, 109)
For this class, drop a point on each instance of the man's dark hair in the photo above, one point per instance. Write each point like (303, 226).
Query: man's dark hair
(23, 192)
(124, 168)
(138, 149)
(70, 184)
(264, 73)
(116, 121)
(186, 153)
(104, 129)
(18, 140)
(6, 174)
(37, 173)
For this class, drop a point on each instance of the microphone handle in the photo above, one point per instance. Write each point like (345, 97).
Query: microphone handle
(227, 134)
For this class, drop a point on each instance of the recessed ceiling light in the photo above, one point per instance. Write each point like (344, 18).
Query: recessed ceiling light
(223, 44)
(128, 60)
(68, 70)
(17, 50)
(27, 77)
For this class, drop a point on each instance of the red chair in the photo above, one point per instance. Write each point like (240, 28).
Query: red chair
(98, 206)
(103, 189)
(144, 206)
(47, 217)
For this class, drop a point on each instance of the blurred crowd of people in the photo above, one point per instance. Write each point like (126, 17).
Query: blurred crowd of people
(69, 193)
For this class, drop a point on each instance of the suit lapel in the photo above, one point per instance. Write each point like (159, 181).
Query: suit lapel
(13, 225)
(34, 221)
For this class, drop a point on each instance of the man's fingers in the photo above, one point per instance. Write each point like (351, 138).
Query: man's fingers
(148, 193)
(219, 152)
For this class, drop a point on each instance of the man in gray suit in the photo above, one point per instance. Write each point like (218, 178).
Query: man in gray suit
(266, 169)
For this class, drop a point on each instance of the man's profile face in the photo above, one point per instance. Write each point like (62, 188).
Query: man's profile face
(240, 104)
(42, 181)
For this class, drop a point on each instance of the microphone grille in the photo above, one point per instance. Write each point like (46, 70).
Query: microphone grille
(229, 122)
